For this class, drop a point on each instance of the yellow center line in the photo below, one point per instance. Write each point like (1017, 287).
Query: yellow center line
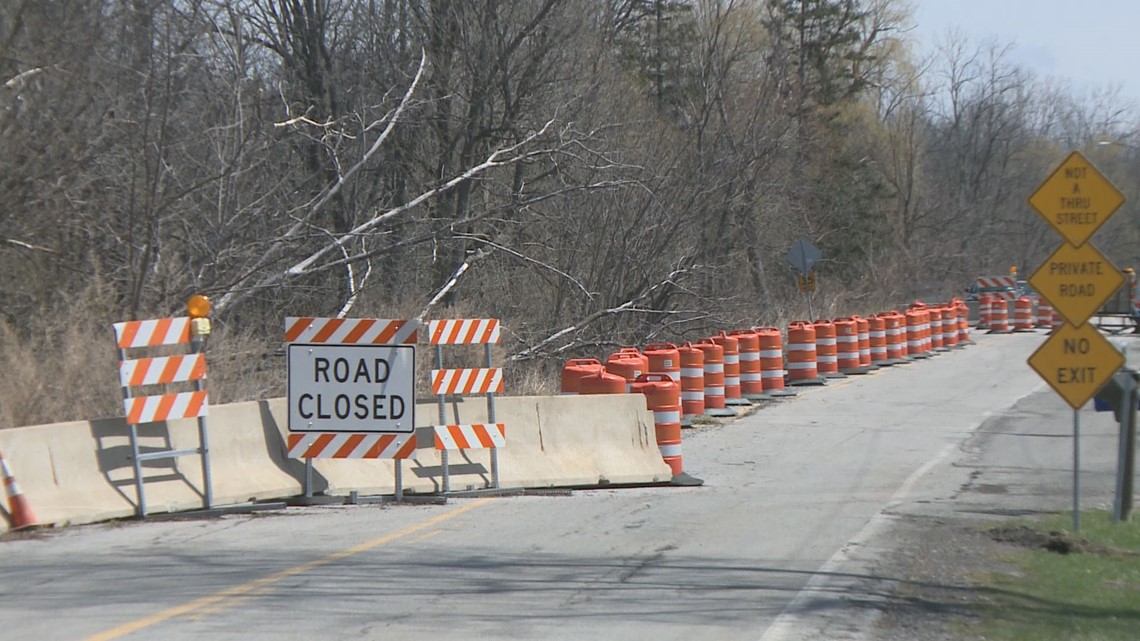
(253, 586)
(426, 535)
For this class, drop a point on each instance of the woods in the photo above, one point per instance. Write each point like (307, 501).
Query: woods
(594, 173)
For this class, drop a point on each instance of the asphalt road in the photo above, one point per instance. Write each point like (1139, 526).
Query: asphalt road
(800, 500)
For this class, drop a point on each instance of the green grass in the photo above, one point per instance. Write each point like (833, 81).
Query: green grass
(1091, 595)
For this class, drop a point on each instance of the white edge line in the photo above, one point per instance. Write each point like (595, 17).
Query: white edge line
(786, 624)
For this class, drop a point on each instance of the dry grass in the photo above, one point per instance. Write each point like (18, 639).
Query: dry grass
(60, 371)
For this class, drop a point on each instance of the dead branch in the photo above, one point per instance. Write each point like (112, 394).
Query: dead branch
(629, 306)
(235, 293)
(451, 283)
(29, 246)
(241, 290)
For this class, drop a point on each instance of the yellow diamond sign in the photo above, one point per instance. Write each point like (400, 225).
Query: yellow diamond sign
(1076, 199)
(1077, 281)
(1076, 362)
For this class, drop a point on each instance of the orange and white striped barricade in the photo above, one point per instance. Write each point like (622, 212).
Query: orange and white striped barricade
(1023, 314)
(575, 369)
(663, 398)
(180, 379)
(827, 349)
(1058, 320)
(486, 381)
(803, 363)
(732, 392)
(664, 359)
(351, 391)
(751, 374)
(692, 383)
(915, 333)
(985, 310)
(1044, 314)
(999, 316)
(714, 378)
(772, 370)
(847, 346)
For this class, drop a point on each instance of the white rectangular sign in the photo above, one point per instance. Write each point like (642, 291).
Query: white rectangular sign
(351, 388)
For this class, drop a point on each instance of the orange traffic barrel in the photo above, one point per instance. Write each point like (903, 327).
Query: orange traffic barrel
(877, 338)
(772, 370)
(999, 316)
(1044, 314)
(985, 310)
(864, 329)
(714, 378)
(751, 375)
(924, 313)
(692, 383)
(663, 398)
(803, 364)
(826, 349)
(895, 323)
(732, 391)
(917, 320)
(1023, 314)
(949, 326)
(628, 365)
(664, 359)
(963, 321)
(847, 346)
(935, 327)
(576, 368)
(601, 382)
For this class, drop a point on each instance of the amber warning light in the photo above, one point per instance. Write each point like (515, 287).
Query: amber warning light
(198, 307)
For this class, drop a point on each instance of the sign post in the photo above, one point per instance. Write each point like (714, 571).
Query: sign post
(802, 257)
(1076, 361)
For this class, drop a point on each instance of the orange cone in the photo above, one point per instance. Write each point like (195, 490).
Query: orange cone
(20, 514)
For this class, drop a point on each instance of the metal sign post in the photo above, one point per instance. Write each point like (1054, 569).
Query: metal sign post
(1076, 470)
(1076, 361)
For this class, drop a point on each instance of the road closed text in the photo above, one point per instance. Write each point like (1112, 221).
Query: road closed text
(351, 388)
(378, 407)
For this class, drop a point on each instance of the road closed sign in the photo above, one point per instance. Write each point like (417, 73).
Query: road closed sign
(351, 388)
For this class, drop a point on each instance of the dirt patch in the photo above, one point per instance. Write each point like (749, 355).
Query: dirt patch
(934, 564)
(1054, 541)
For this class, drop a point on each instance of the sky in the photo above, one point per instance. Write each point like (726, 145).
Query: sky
(1090, 44)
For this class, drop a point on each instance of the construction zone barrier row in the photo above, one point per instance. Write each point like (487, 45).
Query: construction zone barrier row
(81, 472)
(617, 422)
(712, 376)
(1029, 313)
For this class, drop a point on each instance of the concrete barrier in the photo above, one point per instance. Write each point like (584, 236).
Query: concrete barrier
(80, 472)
